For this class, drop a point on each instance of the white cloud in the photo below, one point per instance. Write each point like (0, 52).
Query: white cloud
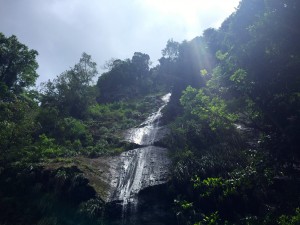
(60, 30)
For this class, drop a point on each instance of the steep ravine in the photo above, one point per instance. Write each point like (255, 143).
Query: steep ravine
(127, 189)
(132, 184)
(139, 168)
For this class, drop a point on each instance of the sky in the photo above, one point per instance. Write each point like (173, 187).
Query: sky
(61, 30)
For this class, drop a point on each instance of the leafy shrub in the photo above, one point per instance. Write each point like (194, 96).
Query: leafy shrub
(290, 220)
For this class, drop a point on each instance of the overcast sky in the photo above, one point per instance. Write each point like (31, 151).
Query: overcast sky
(60, 30)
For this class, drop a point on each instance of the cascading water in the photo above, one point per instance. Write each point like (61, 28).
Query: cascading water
(147, 132)
(142, 167)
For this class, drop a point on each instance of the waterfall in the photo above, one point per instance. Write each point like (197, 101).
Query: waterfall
(142, 167)
(146, 133)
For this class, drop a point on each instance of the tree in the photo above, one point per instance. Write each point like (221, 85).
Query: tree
(17, 128)
(85, 70)
(125, 79)
(17, 64)
(181, 66)
(18, 106)
(258, 64)
(140, 62)
(71, 92)
(171, 51)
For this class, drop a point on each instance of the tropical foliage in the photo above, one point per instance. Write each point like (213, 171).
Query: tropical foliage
(234, 120)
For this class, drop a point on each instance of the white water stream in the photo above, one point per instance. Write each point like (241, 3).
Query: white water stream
(141, 167)
(146, 133)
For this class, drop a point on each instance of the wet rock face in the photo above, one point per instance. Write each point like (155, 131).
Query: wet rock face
(149, 131)
(145, 136)
(138, 169)
(142, 167)
(132, 171)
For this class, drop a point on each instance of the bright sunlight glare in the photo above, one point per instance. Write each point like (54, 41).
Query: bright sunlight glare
(191, 13)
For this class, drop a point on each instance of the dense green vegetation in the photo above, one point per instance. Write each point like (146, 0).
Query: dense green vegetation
(236, 141)
(234, 120)
(47, 128)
